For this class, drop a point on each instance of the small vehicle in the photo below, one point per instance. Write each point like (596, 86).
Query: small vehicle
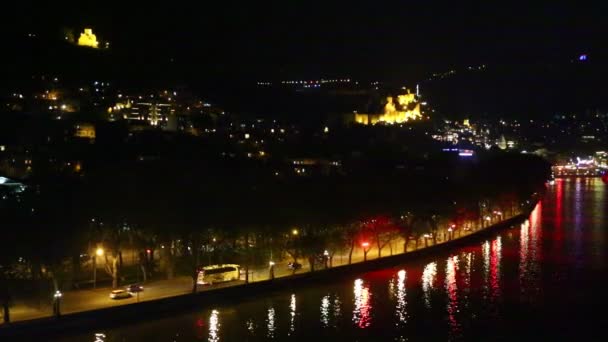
(294, 266)
(213, 274)
(134, 288)
(118, 294)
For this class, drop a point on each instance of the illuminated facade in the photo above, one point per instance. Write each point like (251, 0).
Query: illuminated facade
(591, 167)
(86, 131)
(88, 38)
(156, 114)
(405, 108)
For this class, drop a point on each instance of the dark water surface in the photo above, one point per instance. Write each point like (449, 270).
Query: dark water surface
(544, 279)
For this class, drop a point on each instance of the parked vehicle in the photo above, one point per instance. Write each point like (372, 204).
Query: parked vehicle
(294, 265)
(210, 275)
(134, 288)
(118, 294)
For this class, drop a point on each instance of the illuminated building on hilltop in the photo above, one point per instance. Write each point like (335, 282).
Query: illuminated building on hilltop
(86, 131)
(406, 108)
(154, 113)
(88, 38)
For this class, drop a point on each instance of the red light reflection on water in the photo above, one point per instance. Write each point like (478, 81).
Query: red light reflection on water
(362, 310)
(452, 290)
(495, 256)
(530, 254)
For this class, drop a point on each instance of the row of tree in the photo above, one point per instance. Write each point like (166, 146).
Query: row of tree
(179, 217)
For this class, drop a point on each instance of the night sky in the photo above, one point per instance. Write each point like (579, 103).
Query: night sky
(291, 39)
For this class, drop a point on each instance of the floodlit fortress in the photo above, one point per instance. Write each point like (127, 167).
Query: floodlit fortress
(406, 108)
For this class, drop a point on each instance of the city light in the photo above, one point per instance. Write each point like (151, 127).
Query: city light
(99, 251)
(295, 232)
(365, 244)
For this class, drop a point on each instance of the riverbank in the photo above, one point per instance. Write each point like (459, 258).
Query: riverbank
(124, 314)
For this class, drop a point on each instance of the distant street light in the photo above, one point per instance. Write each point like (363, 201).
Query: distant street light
(295, 232)
(99, 251)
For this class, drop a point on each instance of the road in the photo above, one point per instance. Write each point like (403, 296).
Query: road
(89, 299)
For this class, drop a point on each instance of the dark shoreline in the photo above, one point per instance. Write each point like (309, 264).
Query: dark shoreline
(120, 315)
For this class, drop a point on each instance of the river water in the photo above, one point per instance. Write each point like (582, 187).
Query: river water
(543, 279)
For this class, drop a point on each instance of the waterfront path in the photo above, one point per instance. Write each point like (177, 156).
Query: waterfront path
(90, 299)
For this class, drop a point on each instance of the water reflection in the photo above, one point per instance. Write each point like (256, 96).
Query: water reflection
(401, 309)
(214, 326)
(485, 255)
(337, 309)
(495, 257)
(270, 324)
(100, 337)
(325, 311)
(524, 278)
(428, 279)
(529, 256)
(451, 289)
(600, 208)
(292, 314)
(250, 326)
(468, 261)
(362, 309)
(578, 222)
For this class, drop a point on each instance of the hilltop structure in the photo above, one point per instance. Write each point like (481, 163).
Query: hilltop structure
(405, 108)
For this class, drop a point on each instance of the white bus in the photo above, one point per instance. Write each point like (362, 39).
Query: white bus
(213, 274)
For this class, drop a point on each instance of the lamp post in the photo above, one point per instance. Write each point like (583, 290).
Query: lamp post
(365, 246)
(426, 239)
(271, 269)
(57, 303)
(98, 252)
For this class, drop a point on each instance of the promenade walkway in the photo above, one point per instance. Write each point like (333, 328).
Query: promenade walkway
(90, 299)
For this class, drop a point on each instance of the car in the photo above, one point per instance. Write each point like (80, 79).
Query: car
(294, 266)
(134, 288)
(118, 294)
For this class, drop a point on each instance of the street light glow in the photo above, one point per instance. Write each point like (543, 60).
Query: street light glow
(99, 251)
(365, 244)
(295, 232)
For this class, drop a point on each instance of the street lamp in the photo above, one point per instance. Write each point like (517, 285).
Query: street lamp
(271, 269)
(295, 232)
(365, 246)
(98, 252)
(426, 239)
(56, 303)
